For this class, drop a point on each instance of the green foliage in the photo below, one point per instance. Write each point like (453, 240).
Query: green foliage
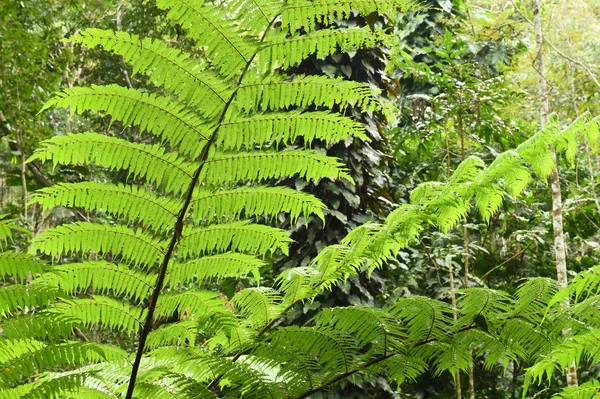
(195, 208)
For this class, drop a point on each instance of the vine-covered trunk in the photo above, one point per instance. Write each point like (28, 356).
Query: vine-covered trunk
(557, 219)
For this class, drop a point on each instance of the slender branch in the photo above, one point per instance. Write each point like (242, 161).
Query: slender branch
(506, 261)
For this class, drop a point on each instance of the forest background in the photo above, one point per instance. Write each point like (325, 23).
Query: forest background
(464, 79)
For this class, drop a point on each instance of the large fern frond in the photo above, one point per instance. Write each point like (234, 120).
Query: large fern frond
(133, 245)
(260, 201)
(279, 93)
(131, 202)
(150, 162)
(167, 66)
(286, 127)
(225, 45)
(306, 14)
(266, 165)
(164, 117)
(219, 266)
(290, 51)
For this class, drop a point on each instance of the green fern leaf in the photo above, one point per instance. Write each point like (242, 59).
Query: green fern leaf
(258, 305)
(150, 162)
(587, 390)
(124, 201)
(166, 66)
(103, 276)
(263, 165)
(424, 318)
(229, 264)
(278, 93)
(20, 267)
(305, 14)
(225, 46)
(260, 201)
(293, 50)
(134, 246)
(334, 351)
(180, 334)
(286, 127)
(236, 236)
(41, 326)
(369, 326)
(254, 15)
(102, 311)
(161, 116)
(19, 297)
(193, 304)
(24, 358)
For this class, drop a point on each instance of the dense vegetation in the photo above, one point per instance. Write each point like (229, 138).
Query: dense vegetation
(301, 198)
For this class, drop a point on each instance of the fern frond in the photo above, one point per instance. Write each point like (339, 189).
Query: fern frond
(161, 116)
(226, 46)
(535, 150)
(305, 14)
(259, 305)
(587, 390)
(103, 277)
(237, 236)
(277, 93)
(102, 311)
(481, 302)
(532, 298)
(524, 340)
(451, 356)
(173, 386)
(424, 318)
(290, 51)
(366, 324)
(150, 162)
(219, 266)
(18, 297)
(584, 286)
(52, 385)
(6, 226)
(402, 367)
(286, 127)
(260, 201)
(167, 66)
(254, 15)
(191, 304)
(40, 326)
(19, 266)
(263, 165)
(24, 358)
(134, 246)
(182, 333)
(130, 202)
(334, 351)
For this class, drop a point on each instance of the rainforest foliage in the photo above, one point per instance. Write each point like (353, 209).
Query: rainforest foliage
(294, 199)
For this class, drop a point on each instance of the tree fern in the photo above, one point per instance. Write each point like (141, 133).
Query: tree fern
(226, 123)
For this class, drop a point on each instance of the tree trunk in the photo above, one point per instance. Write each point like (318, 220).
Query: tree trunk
(557, 220)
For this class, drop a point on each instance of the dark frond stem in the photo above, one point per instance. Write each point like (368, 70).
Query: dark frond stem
(178, 228)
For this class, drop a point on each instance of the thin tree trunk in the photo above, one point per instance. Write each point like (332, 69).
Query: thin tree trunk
(455, 316)
(557, 219)
(470, 372)
(451, 269)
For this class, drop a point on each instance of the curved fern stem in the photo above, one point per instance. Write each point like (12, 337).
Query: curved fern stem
(179, 228)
